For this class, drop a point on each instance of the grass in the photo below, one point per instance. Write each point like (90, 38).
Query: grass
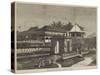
(33, 65)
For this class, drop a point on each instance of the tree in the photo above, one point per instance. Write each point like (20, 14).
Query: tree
(68, 26)
(57, 25)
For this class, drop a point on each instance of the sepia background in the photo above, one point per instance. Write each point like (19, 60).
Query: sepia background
(30, 15)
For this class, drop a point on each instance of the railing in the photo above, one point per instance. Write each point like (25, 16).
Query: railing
(33, 45)
(85, 52)
(70, 55)
(32, 56)
(29, 50)
(30, 41)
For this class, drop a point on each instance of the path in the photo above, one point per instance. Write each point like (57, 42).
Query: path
(85, 62)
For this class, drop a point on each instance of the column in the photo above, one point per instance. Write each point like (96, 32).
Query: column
(65, 45)
(70, 44)
(57, 47)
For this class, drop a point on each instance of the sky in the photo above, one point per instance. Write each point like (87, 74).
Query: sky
(30, 15)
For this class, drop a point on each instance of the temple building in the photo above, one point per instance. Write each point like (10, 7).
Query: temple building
(51, 41)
